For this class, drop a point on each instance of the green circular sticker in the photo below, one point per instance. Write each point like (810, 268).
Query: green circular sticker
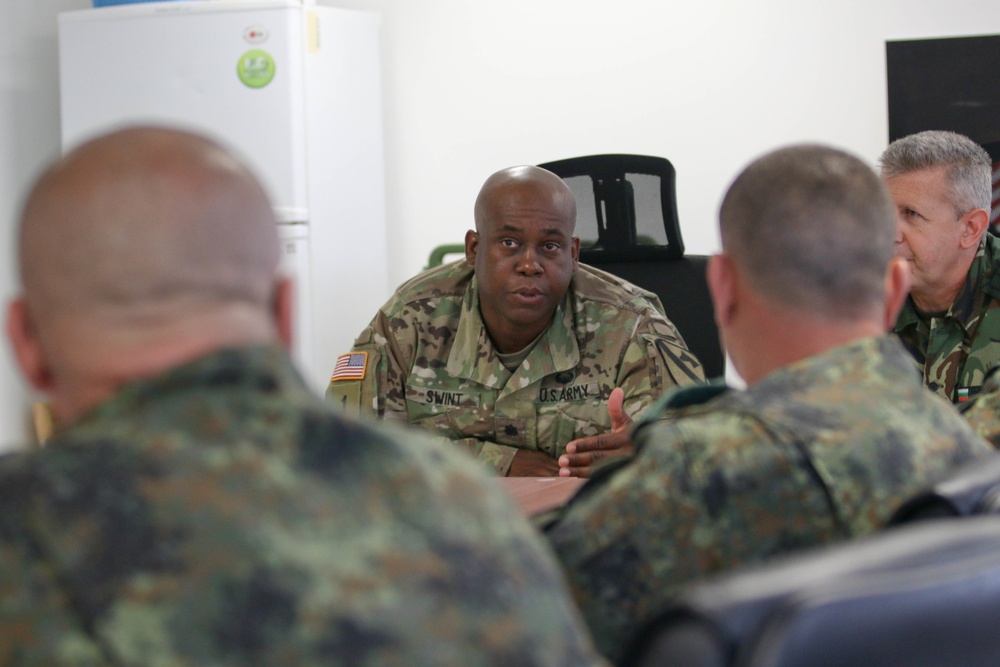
(256, 68)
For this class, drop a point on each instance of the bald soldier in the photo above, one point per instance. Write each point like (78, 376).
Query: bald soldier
(514, 351)
(832, 434)
(202, 507)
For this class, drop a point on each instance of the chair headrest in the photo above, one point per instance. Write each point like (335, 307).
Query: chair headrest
(618, 200)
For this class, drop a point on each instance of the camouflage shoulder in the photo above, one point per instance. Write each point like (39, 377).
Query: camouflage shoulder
(991, 265)
(597, 285)
(681, 399)
(446, 280)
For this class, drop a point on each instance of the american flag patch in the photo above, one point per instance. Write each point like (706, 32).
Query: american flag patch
(350, 366)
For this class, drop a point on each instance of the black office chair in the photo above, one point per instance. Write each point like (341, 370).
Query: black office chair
(925, 595)
(973, 489)
(627, 224)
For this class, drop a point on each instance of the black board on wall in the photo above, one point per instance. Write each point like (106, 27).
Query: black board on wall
(946, 84)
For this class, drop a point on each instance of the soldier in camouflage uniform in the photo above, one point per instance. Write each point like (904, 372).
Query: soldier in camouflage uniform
(833, 432)
(202, 507)
(941, 185)
(514, 351)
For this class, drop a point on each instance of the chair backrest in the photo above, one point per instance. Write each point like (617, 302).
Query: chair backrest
(626, 206)
(628, 226)
(926, 595)
(973, 489)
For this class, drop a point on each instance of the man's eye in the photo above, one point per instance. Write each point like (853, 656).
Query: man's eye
(508, 243)
(552, 247)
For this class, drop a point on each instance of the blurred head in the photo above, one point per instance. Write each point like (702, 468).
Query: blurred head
(941, 185)
(809, 231)
(137, 251)
(523, 251)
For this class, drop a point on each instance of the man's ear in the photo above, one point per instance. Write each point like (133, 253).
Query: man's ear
(897, 287)
(28, 350)
(574, 249)
(974, 223)
(284, 310)
(722, 285)
(471, 246)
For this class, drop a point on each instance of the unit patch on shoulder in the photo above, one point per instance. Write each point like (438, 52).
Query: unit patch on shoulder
(350, 366)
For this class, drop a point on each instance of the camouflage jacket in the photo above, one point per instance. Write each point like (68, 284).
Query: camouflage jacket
(222, 515)
(983, 410)
(817, 451)
(428, 360)
(954, 352)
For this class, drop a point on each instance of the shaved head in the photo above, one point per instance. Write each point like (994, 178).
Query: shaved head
(520, 182)
(141, 247)
(144, 220)
(813, 228)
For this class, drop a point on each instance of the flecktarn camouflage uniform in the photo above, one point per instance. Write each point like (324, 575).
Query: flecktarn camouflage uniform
(818, 451)
(426, 358)
(222, 515)
(955, 351)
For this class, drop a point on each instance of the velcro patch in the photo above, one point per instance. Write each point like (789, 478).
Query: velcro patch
(443, 398)
(576, 392)
(350, 366)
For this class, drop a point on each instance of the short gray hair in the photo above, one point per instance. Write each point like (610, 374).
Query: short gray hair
(969, 168)
(812, 227)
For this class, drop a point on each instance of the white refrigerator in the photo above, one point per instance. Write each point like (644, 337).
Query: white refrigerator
(293, 87)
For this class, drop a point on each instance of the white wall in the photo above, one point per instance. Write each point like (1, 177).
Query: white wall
(475, 86)
(29, 137)
(471, 87)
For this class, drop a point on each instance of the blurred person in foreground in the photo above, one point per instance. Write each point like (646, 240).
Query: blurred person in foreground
(201, 506)
(833, 432)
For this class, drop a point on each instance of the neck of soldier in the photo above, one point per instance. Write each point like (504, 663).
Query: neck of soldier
(103, 359)
(937, 299)
(510, 337)
(773, 336)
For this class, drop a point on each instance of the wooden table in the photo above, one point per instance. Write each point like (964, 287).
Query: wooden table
(534, 495)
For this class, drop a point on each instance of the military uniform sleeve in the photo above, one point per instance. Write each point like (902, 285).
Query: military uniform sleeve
(683, 507)
(656, 360)
(370, 379)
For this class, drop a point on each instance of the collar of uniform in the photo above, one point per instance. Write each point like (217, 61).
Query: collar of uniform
(883, 353)
(681, 397)
(991, 265)
(965, 304)
(265, 368)
(881, 356)
(473, 356)
(908, 318)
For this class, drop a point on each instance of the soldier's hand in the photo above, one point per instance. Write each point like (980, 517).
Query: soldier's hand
(582, 454)
(531, 463)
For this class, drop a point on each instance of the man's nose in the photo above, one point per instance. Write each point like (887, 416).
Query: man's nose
(529, 264)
